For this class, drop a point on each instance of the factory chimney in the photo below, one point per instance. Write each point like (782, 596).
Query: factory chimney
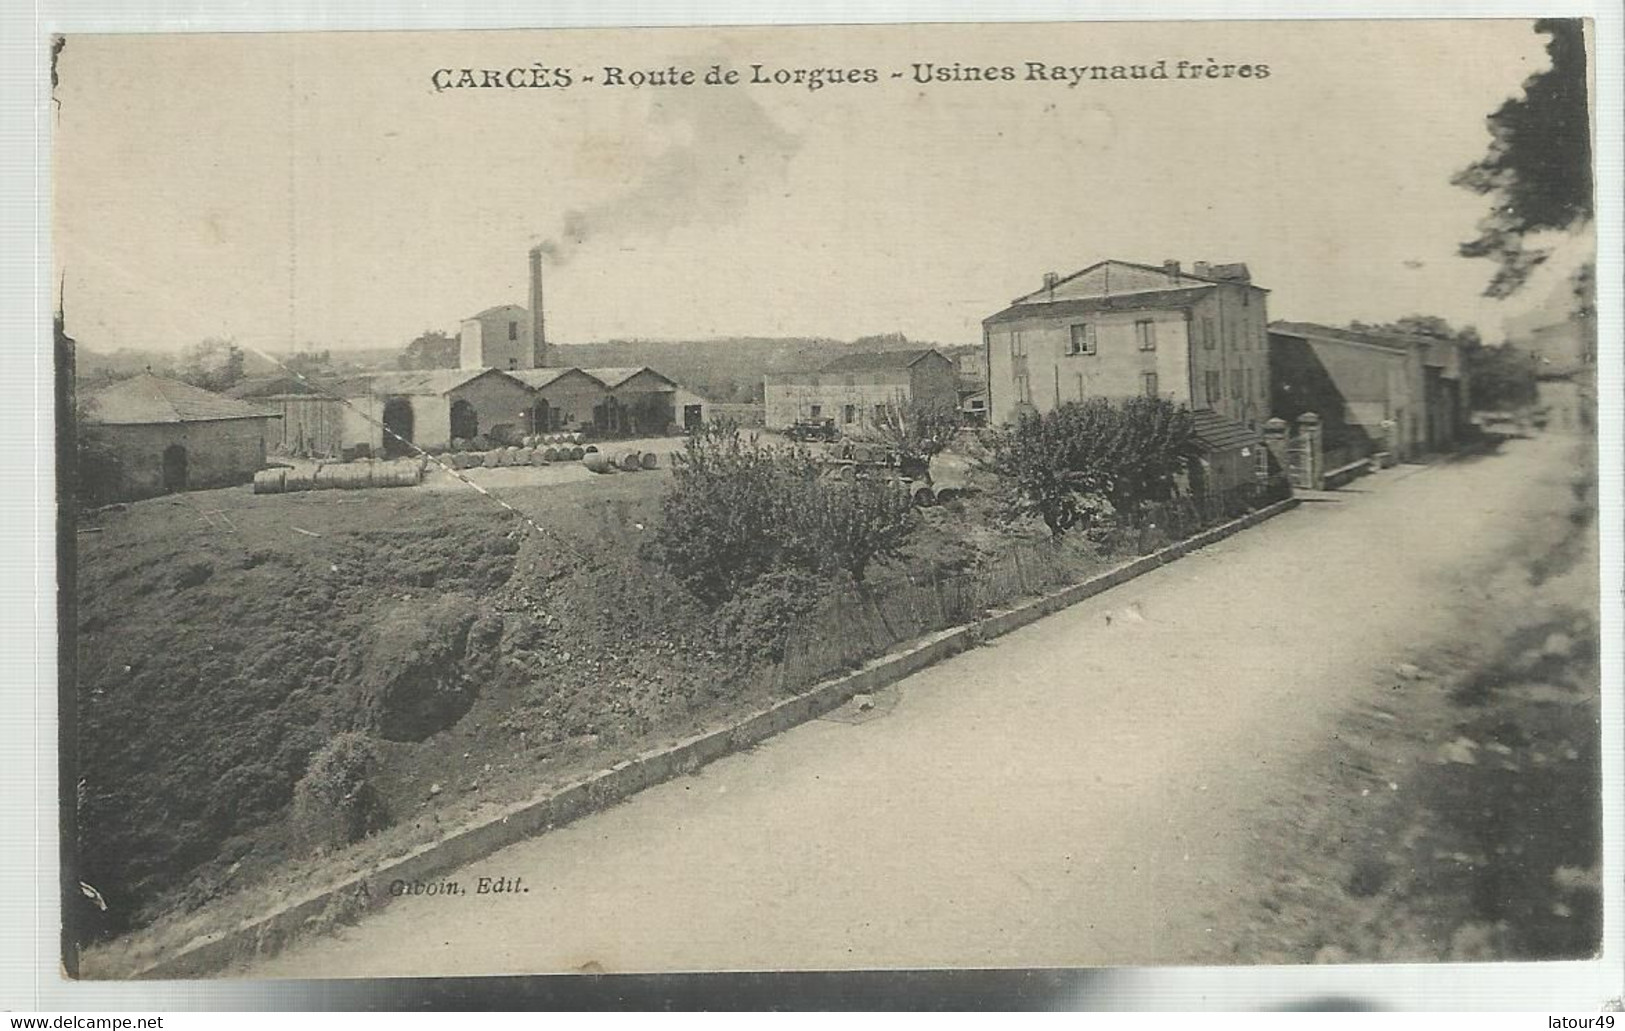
(538, 322)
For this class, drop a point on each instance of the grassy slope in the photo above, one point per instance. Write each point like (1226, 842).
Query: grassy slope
(213, 661)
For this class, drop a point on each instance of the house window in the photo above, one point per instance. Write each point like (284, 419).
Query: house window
(1018, 347)
(816, 411)
(513, 363)
(1145, 334)
(1148, 381)
(1083, 339)
(849, 414)
(1080, 386)
(513, 331)
(1024, 390)
(1212, 383)
(1208, 336)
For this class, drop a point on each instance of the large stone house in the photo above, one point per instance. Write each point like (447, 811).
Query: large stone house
(856, 389)
(1119, 329)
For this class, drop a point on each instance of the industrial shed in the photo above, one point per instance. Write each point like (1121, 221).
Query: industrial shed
(430, 408)
(638, 401)
(169, 436)
(562, 399)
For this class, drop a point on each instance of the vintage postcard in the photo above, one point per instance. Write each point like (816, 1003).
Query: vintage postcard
(829, 498)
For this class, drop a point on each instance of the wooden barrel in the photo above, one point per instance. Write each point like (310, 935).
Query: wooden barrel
(270, 481)
(631, 461)
(298, 480)
(598, 462)
(923, 495)
(324, 476)
(396, 474)
(491, 459)
(574, 452)
(589, 448)
(650, 460)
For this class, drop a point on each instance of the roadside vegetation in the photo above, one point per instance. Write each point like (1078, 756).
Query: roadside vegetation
(319, 675)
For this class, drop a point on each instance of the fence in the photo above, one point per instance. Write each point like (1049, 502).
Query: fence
(858, 624)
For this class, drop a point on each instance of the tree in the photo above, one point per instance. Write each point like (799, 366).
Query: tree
(431, 350)
(1423, 326)
(1502, 377)
(310, 362)
(917, 428)
(1072, 465)
(1538, 168)
(213, 364)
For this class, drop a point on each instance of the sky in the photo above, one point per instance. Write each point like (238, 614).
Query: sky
(316, 190)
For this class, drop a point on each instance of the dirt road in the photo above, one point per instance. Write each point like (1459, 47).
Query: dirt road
(1085, 791)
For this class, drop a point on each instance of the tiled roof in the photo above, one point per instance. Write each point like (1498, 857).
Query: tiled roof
(869, 361)
(1392, 341)
(536, 379)
(494, 309)
(1150, 300)
(422, 381)
(1215, 432)
(279, 384)
(147, 399)
(614, 377)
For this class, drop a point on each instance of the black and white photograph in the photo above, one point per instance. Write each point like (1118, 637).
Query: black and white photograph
(974, 496)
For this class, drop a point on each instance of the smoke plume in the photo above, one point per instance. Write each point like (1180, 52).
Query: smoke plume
(723, 148)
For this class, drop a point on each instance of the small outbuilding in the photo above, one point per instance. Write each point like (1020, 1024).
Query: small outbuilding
(167, 436)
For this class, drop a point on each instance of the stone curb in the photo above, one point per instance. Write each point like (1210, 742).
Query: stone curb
(268, 933)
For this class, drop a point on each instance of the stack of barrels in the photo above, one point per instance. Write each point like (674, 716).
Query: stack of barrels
(625, 461)
(338, 476)
(525, 454)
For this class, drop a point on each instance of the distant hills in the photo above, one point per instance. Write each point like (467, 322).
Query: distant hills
(722, 368)
(731, 368)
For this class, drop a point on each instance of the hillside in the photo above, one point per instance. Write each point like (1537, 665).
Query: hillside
(731, 368)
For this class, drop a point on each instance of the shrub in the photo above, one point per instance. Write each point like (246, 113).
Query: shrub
(755, 626)
(738, 509)
(1068, 465)
(335, 802)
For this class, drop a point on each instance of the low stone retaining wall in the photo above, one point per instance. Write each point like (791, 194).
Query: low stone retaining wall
(269, 932)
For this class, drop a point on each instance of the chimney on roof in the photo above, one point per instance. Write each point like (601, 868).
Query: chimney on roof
(538, 323)
(1172, 268)
(1203, 269)
(1050, 279)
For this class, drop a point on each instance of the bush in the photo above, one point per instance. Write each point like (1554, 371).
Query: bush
(1069, 465)
(335, 802)
(738, 509)
(755, 626)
